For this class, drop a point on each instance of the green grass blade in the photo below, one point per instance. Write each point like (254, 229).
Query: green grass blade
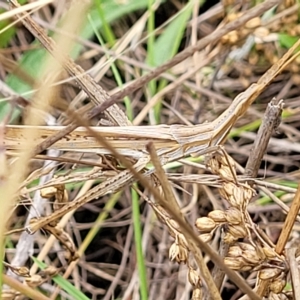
(166, 46)
(109, 205)
(151, 44)
(107, 31)
(138, 245)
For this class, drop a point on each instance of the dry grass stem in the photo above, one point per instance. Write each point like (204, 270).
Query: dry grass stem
(172, 211)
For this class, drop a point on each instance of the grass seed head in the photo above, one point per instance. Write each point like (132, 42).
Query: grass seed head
(173, 224)
(206, 237)
(237, 263)
(246, 247)
(254, 23)
(48, 192)
(21, 271)
(229, 239)
(182, 241)
(35, 280)
(226, 174)
(7, 294)
(178, 253)
(278, 284)
(233, 216)
(252, 258)
(197, 294)
(194, 278)
(238, 231)
(234, 251)
(247, 193)
(269, 273)
(232, 193)
(217, 215)
(269, 252)
(50, 271)
(205, 224)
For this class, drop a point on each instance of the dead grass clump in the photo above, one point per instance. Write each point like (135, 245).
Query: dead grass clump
(97, 206)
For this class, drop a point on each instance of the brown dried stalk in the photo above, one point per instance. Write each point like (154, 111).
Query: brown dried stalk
(270, 123)
(24, 290)
(61, 197)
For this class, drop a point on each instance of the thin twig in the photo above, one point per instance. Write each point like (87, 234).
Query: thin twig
(291, 255)
(217, 272)
(289, 222)
(270, 122)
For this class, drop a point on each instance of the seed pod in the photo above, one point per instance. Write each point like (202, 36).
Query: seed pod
(34, 281)
(246, 247)
(260, 252)
(223, 192)
(234, 251)
(229, 238)
(51, 271)
(237, 199)
(224, 161)
(10, 294)
(217, 215)
(251, 254)
(254, 23)
(233, 216)
(173, 251)
(226, 174)
(48, 192)
(247, 193)
(197, 294)
(172, 223)
(269, 252)
(194, 278)
(182, 256)
(213, 164)
(277, 285)
(229, 187)
(21, 271)
(178, 253)
(252, 258)
(230, 192)
(205, 224)
(246, 268)
(182, 241)
(237, 231)
(236, 263)
(230, 38)
(206, 237)
(269, 273)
